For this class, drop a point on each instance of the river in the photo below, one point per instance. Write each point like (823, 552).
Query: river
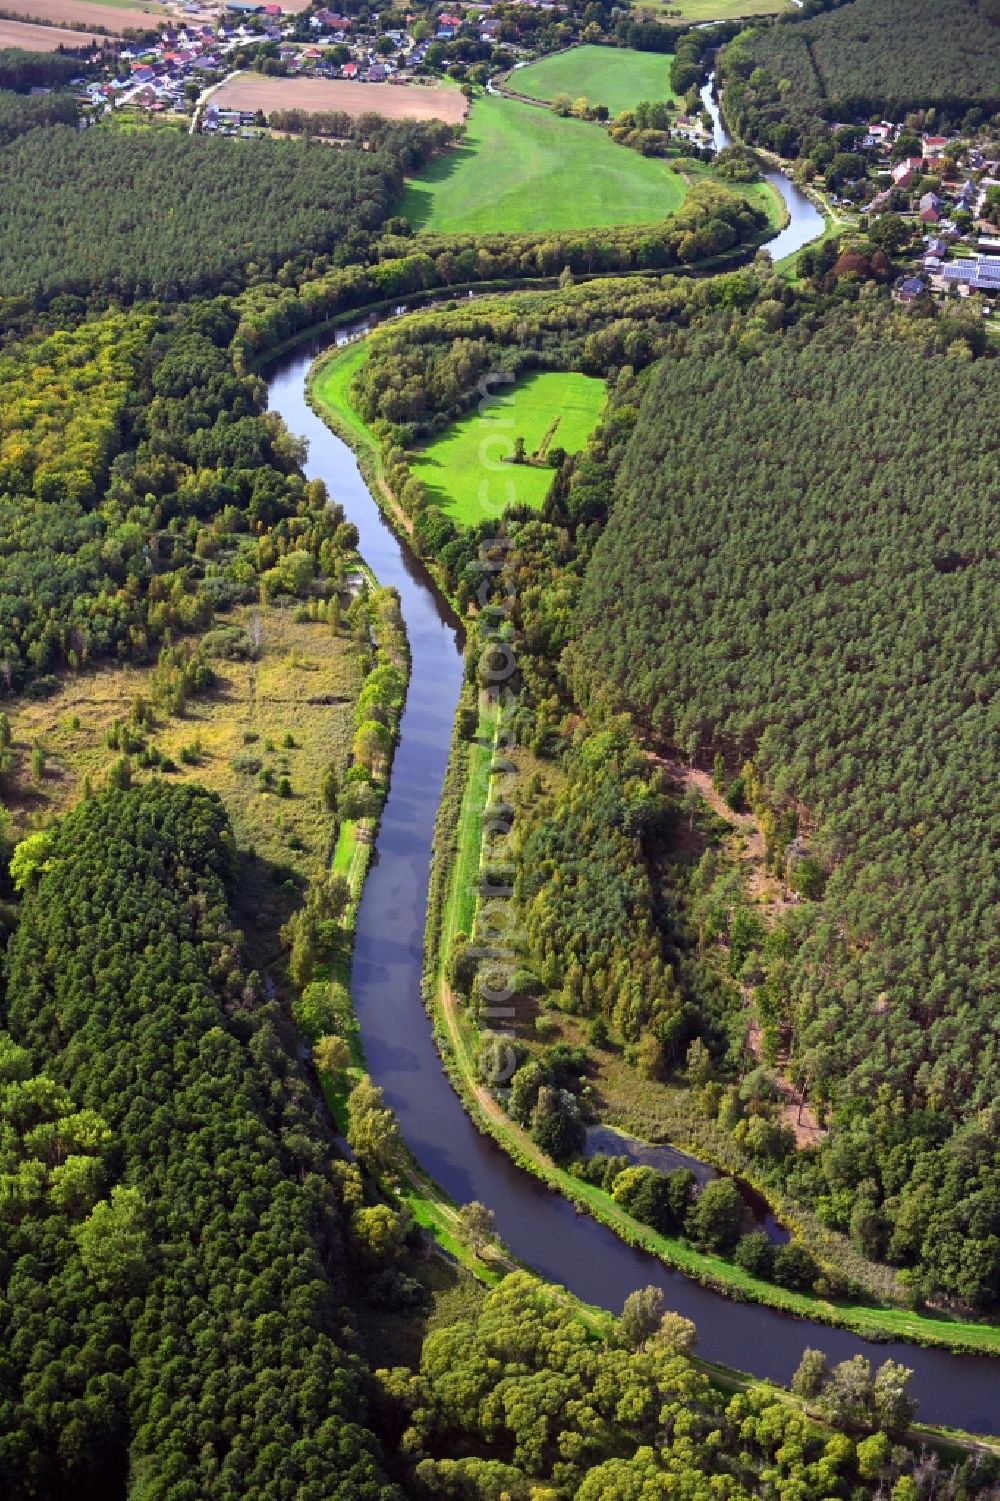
(540, 1227)
(805, 221)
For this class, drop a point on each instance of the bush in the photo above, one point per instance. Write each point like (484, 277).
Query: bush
(715, 1217)
(794, 1267)
(755, 1254)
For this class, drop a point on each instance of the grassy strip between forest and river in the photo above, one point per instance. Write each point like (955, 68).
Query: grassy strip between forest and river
(451, 910)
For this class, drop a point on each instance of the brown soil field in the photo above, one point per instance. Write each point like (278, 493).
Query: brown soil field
(113, 18)
(44, 38)
(396, 101)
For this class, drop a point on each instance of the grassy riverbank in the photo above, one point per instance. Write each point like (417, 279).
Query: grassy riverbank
(328, 391)
(451, 912)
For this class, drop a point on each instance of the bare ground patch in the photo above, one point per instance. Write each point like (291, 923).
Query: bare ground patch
(35, 38)
(320, 95)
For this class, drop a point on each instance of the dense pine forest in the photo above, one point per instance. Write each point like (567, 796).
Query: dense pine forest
(870, 56)
(744, 604)
(179, 214)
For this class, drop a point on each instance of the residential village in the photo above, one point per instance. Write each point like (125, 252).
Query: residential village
(168, 73)
(946, 190)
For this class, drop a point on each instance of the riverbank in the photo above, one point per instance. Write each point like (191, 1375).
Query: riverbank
(454, 877)
(328, 393)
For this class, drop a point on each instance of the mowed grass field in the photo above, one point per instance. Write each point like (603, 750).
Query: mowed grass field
(711, 10)
(520, 167)
(464, 470)
(615, 76)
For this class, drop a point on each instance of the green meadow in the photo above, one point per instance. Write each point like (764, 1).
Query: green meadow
(520, 167)
(464, 471)
(710, 10)
(615, 76)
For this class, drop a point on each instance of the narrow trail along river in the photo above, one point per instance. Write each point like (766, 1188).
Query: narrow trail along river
(539, 1226)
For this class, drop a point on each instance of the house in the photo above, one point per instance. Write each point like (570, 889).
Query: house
(930, 208)
(909, 289)
(903, 172)
(378, 74)
(937, 246)
(934, 147)
(350, 70)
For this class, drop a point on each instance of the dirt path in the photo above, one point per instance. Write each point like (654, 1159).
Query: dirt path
(746, 847)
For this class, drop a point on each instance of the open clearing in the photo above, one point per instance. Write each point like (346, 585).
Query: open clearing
(107, 17)
(303, 685)
(523, 168)
(33, 38)
(710, 10)
(614, 76)
(463, 469)
(394, 101)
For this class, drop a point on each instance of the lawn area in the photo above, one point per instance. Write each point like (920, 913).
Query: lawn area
(463, 469)
(523, 168)
(615, 76)
(710, 10)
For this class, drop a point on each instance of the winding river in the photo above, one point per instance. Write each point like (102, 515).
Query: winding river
(539, 1226)
(805, 221)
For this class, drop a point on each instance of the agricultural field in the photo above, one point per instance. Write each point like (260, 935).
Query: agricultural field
(523, 168)
(30, 37)
(464, 471)
(113, 16)
(394, 101)
(697, 11)
(617, 77)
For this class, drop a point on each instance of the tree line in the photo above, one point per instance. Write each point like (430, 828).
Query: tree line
(711, 221)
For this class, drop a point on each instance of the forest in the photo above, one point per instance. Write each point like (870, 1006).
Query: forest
(186, 1260)
(784, 83)
(142, 488)
(21, 71)
(174, 1244)
(20, 113)
(232, 206)
(744, 606)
